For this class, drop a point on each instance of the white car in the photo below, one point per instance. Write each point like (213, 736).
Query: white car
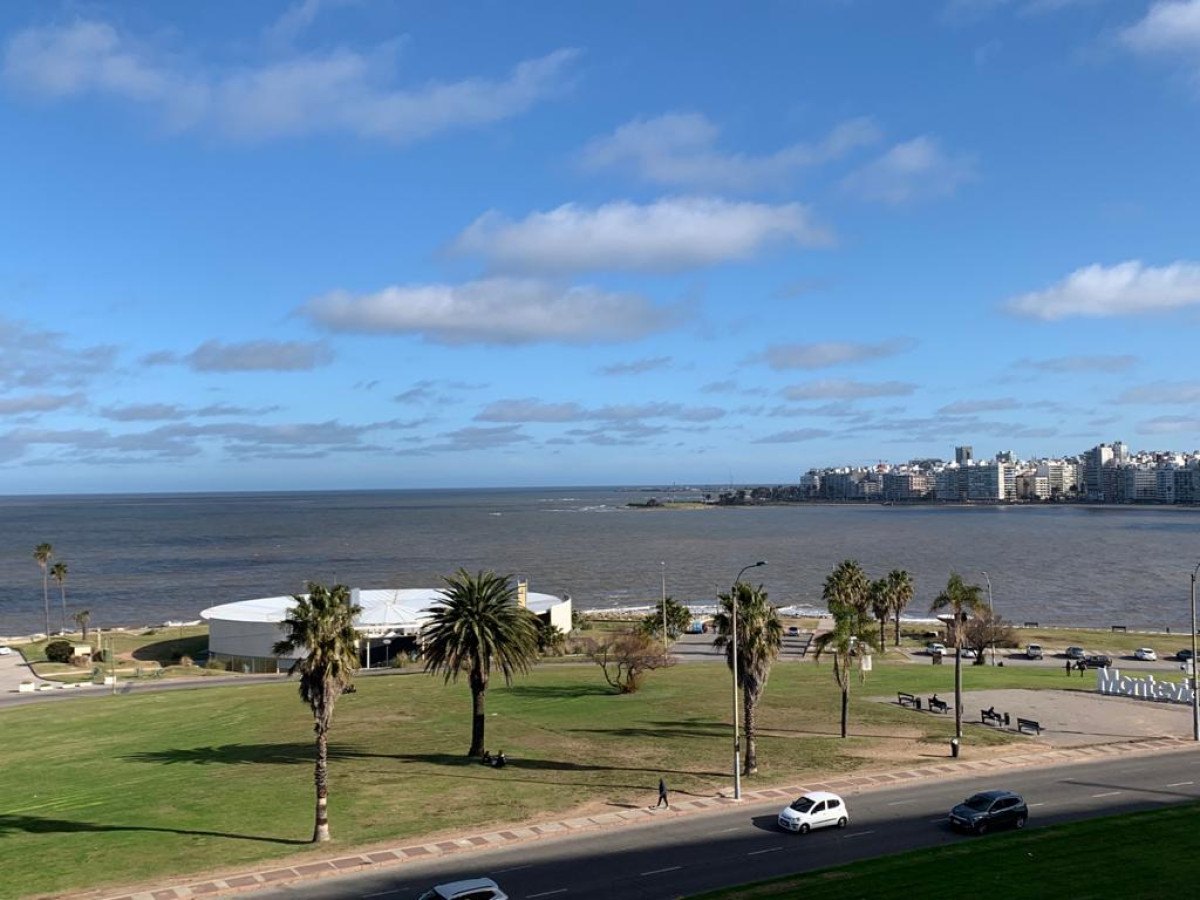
(1145, 654)
(935, 648)
(967, 653)
(815, 810)
(5, 651)
(469, 889)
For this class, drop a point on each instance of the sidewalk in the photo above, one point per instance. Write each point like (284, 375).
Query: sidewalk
(390, 856)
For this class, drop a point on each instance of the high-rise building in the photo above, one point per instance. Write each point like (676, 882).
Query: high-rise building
(989, 482)
(962, 455)
(1098, 465)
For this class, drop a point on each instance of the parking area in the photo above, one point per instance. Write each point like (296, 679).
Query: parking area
(14, 670)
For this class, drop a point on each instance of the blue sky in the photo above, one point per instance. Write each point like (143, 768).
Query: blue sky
(352, 244)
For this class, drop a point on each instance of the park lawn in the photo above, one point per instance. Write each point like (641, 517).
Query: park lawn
(161, 645)
(124, 789)
(1147, 854)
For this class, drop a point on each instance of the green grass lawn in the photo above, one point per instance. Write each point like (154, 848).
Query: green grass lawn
(1149, 854)
(122, 789)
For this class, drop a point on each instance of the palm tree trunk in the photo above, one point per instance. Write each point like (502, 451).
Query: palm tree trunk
(477, 721)
(748, 710)
(897, 628)
(62, 587)
(46, 597)
(321, 779)
(883, 635)
(845, 704)
(957, 683)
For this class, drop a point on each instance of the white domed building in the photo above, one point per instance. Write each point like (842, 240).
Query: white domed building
(242, 635)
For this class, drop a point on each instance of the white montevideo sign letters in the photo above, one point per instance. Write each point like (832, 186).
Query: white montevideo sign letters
(1111, 681)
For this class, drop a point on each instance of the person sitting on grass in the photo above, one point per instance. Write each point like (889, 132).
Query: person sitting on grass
(486, 759)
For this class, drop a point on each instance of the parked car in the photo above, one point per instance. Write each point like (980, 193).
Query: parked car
(5, 651)
(935, 648)
(967, 653)
(989, 810)
(1033, 651)
(1183, 655)
(468, 889)
(1097, 660)
(816, 810)
(1076, 653)
(1145, 654)
(793, 631)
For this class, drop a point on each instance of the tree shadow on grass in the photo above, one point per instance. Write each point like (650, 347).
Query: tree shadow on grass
(557, 692)
(249, 754)
(38, 825)
(449, 760)
(169, 650)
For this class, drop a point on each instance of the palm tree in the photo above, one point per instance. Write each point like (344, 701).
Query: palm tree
(961, 599)
(847, 585)
(58, 572)
(901, 589)
(853, 632)
(42, 554)
(760, 638)
(478, 626)
(880, 594)
(322, 624)
(82, 617)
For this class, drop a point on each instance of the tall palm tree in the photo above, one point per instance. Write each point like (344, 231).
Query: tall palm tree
(82, 617)
(961, 599)
(760, 638)
(847, 585)
(58, 572)
(42, 554)
(478, 626)
(852, 632)
(900, 586)
(880, 594)
(322, 624)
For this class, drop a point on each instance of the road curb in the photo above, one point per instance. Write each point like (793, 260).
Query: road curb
(274, 876)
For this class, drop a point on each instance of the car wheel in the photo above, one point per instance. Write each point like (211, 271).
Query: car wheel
(1021, 821)
(981, 828)
(842, 823)
(804, 828)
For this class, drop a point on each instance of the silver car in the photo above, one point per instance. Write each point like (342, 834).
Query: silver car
(468, 889)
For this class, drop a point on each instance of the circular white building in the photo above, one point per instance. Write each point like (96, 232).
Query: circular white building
(242, 635)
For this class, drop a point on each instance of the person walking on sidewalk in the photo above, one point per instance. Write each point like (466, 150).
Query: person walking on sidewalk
(662, 795)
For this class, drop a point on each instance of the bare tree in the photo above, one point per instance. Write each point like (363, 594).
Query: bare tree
(626, 657)
(986, 629)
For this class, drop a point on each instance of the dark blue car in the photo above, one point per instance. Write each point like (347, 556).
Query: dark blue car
(988, 811)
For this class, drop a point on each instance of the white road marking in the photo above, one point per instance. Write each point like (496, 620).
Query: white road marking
(513, 869)
(382, 893)
(1034, 805)
(660, 871)
(901, 802)
(860, 834)
(942, 819)
(727, 830)
(1181, 784)
(548, 893)
(768, 850)
(1108, 794)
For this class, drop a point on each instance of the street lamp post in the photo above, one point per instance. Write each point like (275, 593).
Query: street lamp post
(386, 643)
(737, 740)
(1195, 686)
(992, 610)
(664, 604)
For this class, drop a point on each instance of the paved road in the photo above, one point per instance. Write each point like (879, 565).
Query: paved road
(679, 857)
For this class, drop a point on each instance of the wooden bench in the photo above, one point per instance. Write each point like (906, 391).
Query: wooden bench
(1033, 726)
(987, 717)
(938, 706)
(906, 699)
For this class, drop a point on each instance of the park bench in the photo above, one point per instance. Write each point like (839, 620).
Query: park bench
(907, 699)
(938, 706)
(987, 717)
(1033, 726)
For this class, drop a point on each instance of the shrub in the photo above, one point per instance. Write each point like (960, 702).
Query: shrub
(59, 651)
(215, 665)
(626, 658)
(186, 661)
(99, 656)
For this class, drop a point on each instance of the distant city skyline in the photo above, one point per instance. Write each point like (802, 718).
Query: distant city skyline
(330, 245)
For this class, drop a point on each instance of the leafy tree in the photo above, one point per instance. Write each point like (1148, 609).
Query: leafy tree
(58, 572)
(580, 621)
(900, 590)
(551, 639)
(960, 599)
(847, 585)
(626, 657)
(82, 617)
(42, 554)
(853, 633)
(986, 629)
(759, 640)
(880, 594)
(679, 619)
(477, 627)
(59, 651)
(322, 624)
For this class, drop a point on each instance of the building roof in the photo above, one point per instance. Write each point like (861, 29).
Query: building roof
(402, 610)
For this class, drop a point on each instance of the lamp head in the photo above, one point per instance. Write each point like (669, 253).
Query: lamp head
(761, 562)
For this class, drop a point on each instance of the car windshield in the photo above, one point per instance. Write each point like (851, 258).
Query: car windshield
(1035, 646)
(804, 804)
(430, 895)
(979, 803)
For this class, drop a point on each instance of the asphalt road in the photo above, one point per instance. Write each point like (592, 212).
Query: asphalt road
(678, 857)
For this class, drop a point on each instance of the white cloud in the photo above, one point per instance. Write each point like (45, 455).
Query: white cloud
(259, 356)
(341, 91)
(823, 354)
(38, 403)
(1128, 288)
(1160, 392)
(664, 236)
(34, 358)
(970, 407)
(1170, 425)
(793, 437)
(637, 366)
(1169, 27)
(530, 409)
(681, 149)
(914, 170)
(1083, 363)
(495, 311)
(847, 389)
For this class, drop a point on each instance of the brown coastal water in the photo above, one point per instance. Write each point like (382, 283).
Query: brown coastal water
(147, 559)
